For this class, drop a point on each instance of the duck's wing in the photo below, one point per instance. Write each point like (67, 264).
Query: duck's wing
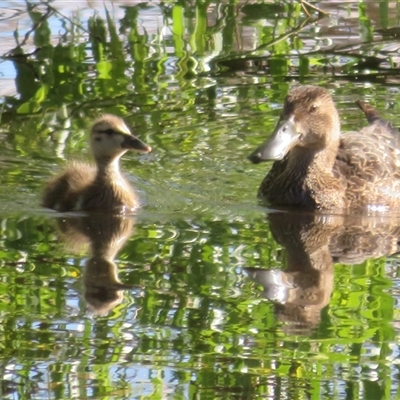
(369, 160)
(378, 124)
(371, 114)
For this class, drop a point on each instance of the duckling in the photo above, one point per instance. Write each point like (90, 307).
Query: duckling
(84, 187)
(317, 167)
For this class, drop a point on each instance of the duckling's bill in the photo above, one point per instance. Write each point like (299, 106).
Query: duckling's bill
(283, 139)
(133, 143)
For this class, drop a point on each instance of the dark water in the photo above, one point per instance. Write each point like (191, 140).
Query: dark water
(202, 294)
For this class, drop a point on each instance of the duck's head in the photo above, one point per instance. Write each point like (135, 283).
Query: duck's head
(110, 138)
(309, 120)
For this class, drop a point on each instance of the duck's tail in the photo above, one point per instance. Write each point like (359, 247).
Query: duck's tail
(369, 111)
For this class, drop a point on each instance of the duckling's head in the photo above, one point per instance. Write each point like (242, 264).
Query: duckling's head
(309, 120)
(110, 138)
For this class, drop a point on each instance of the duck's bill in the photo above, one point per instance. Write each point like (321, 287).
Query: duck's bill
(133, 143)
(279, 144)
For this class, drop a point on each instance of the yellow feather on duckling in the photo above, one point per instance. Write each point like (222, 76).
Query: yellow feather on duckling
(84, 187)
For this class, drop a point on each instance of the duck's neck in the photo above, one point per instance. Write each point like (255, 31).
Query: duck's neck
(108, 168)
(302, 160)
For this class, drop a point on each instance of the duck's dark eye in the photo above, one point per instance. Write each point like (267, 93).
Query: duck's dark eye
(109, 131)
(313, 108)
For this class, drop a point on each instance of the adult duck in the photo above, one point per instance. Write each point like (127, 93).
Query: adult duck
(319, 168)
(99, 187)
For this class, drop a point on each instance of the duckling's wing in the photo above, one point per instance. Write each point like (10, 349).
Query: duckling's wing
(62, 192)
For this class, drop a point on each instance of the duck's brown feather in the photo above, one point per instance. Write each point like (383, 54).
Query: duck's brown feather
(369, 160)
(364, 173)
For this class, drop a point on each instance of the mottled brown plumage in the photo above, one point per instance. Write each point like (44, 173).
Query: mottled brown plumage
(317, 167)
(101, 187)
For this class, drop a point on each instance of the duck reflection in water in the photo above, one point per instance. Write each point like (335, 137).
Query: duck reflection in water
(305, 287)
(104, 235)
(313, 243)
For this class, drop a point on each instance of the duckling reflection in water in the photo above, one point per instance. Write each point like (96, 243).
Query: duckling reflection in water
(105, 235)
(316, 167)
(83, 187)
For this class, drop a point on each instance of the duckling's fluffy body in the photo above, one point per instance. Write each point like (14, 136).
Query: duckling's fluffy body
(318, 167)
(80, 187)
(101, 187)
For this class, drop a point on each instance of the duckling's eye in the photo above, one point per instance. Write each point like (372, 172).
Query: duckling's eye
(109, 131)
(313, 108)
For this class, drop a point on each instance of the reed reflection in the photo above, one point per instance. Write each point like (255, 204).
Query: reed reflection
(103, 235)
(313, 243)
